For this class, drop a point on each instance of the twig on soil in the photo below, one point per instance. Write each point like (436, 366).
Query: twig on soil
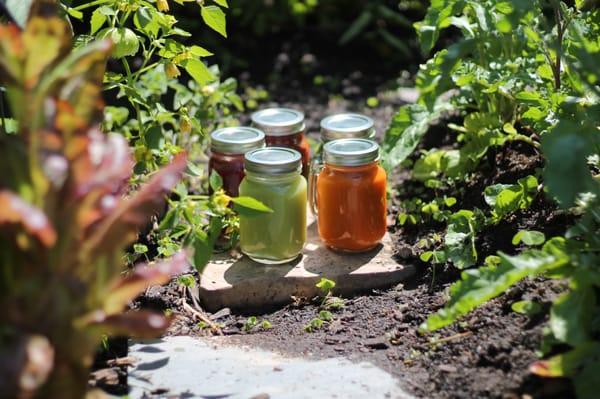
(450, 338)
(200, 315)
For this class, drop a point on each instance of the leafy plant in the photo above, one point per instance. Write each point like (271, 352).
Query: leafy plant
(64, 218)
(524, 71)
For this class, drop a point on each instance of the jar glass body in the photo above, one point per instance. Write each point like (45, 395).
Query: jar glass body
(231, 169)
(295, 141)
(352, 206)
(276, 237)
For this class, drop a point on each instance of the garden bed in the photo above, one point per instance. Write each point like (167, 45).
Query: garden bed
(485, 355)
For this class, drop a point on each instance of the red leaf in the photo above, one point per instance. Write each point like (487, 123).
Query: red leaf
(127, 288)
(121, 227)
(15, 211)
(140, 324)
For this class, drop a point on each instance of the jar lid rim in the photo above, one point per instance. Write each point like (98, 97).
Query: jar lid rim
(273, 160)
(278, 121)
(350, 152)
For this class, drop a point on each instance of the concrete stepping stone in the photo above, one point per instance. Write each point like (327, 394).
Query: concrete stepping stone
(186, 367)
(240, 283)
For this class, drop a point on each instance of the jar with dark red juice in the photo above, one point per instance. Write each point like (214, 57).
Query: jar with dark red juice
(228, 147)
(284, 127)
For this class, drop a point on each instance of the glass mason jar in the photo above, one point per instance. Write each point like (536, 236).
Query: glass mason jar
(273, 177)
(351, 196)
(228, 147)
(335, 127)
(284, 127)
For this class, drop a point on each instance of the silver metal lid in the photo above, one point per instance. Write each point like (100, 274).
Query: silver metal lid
(236, 140)
(347, 126)
(350, 152)
(273, 160)
(279, 121)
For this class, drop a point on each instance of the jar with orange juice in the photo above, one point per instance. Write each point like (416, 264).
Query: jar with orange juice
(351, 196)
(335, 127)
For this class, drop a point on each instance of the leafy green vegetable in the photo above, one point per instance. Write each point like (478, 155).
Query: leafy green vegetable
(529, 237)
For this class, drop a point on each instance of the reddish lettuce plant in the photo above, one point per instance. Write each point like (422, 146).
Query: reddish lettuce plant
(66, 215)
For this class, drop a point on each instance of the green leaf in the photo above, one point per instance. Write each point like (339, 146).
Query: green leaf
(125, 41)
(356, 27)
(74, 13)
(98, 19)
(222, 3)
(406, 130)
(437, 18)
(460, 239)
(215, 181)
(529, 237)
(199, 51)
(566, 148)
(204, 243)
(478, 286)
(198, 71)
(570, 315)
(325, 284)
(154, 137)
(249, 206)
(528, 308)
(146, 20)
(214, 17)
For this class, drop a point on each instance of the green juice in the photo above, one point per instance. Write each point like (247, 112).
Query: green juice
(276, 237)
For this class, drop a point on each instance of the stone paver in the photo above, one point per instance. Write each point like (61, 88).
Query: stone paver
(187, 367)
(243, 284)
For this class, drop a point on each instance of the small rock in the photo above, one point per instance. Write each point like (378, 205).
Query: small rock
(376, 343)
(221, 314)
(104, 377)
(446, 368)
(261, 396)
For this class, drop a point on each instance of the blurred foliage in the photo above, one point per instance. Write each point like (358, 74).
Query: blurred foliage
(64, 218)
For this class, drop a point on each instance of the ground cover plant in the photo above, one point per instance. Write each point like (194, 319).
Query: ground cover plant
(522, 72)
(64, 221)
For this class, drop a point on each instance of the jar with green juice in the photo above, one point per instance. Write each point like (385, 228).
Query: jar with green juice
(273, 177)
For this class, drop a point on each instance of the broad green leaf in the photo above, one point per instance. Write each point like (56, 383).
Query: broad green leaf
(214, 17)
(215, 181)
(250, 206)
(570, 363)
(146, 20)
(529, 237)
(460, 238)
(570, 315)
(325, 284)
(478, 286)
(125, 41)
(566, 148)
(222, 3)
(406, 130)
(200, 51)
(99, 17)
(437, 18)
(198, 71)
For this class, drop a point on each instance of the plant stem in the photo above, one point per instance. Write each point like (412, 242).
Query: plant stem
(92, 4)
(130, 83)
(560, 30)
(2, 114)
